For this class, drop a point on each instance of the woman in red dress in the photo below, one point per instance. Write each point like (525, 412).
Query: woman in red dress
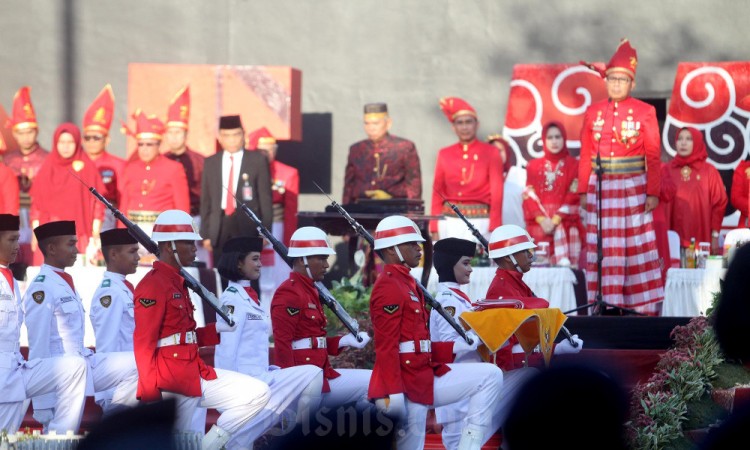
(700, 200)
(59, 194)
(550, 203)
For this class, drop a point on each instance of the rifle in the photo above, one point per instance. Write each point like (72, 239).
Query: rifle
(324, 294)
(143, 239)
(486, 246)
(434, 304)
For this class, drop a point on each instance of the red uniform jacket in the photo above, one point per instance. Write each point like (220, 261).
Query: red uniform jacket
(395, 169)
(740, 188)
(111, 169)
(285, 187)
(553, 195)
(163, 308)
(25, 167)
(399, 314)
(596, 133)
(9, 200)
(296, 313)
(156, 186)
(509, 284)
(473, 175)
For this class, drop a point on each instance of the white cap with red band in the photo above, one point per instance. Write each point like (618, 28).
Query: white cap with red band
(509, 239)
(174, 225)
(395, 230)
(309, 241)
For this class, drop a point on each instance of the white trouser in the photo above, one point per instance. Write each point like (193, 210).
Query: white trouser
(350, 387)
(240, 398)
(455, 227)
(451, 416)
(286, 386)
(63, 375)
(480, 383)
(115, 371)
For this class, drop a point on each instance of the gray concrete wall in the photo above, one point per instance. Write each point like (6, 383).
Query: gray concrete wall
(406, 53)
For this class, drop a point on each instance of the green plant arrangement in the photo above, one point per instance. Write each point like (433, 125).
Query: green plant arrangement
(682, 394)
(355, 298)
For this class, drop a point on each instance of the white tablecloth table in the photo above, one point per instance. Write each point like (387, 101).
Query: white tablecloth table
(554, 284)
(689, 292)
(88, 278)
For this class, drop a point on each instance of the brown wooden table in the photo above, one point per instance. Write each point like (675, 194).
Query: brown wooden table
(334, 224)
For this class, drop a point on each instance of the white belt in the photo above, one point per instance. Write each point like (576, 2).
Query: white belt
(175, 339)
(316, 342)
(425, 346)
(9, 346)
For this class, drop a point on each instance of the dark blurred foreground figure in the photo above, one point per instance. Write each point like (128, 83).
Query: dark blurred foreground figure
(145, 426)
(574, 405)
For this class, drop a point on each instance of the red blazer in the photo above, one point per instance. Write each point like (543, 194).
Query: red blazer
(399, 314)
(296, 313)
(163, 308)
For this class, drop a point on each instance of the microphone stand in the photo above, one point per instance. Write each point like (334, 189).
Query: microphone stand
(600, 306)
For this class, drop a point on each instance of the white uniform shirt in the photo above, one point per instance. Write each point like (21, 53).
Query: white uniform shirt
(244, 350)
(440, 330)
(112, 314)
(11, 317)
(55, 317)
(515, 183)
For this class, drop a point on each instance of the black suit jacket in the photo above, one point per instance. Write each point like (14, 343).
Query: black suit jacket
(255, 166)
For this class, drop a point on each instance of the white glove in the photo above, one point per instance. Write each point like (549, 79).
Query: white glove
(394, 406)
(564, 347)
(461, 346)
(350, 341)
(223, 327)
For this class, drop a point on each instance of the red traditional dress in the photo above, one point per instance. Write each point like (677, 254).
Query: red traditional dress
(552, 193)
(661, 223)
(9, 203)
(192, 163)
(626, 134)
(390, 164)
(153, 186)
(700, 200)
(740, 191)
(60, 191)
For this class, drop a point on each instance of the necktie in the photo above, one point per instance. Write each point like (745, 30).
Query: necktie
(68, 279)
(230, 186)
(130, 286)
(253, 295)
(8, 276)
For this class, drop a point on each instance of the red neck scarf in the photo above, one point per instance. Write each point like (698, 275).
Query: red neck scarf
(554, 157)
(698, 157)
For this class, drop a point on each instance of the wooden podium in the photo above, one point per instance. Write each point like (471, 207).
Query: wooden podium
(335, 224)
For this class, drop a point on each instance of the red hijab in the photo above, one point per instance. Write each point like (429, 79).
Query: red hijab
(699, 155)
(554, 157)
(57, 194)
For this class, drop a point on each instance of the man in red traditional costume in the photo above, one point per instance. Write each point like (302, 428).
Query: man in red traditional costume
(626, 134)
(24, 162)
(178, 117)
(96, 125)
(151, 183)
(469, 174)
(9, 201)
(285, 190)
(551, 198)
(411, 374)
(740, 197)
(383, 166)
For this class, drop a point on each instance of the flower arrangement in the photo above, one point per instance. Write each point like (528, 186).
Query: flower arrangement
(659, 407)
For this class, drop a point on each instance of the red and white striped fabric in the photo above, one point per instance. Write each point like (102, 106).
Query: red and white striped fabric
(631, 277)
(567, 243)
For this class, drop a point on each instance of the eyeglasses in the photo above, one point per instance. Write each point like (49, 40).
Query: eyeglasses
(148, 144)
(618, 80)
(93, 138)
